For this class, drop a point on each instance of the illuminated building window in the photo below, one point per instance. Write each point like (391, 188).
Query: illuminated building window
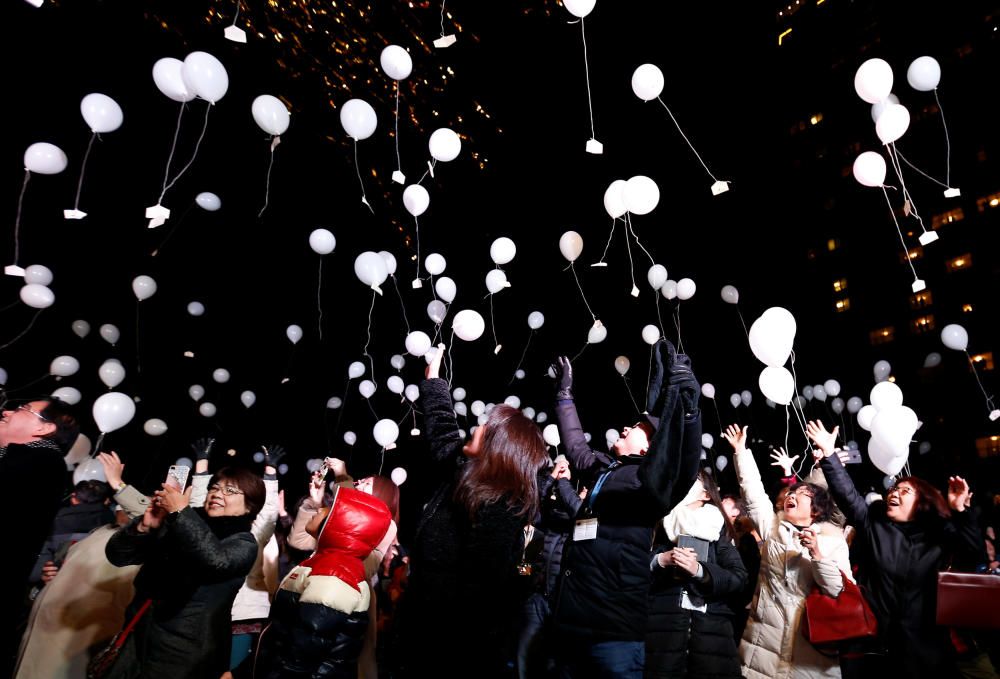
(922, 324)
(840, 285)
(959, 263)
(842, 304)
(983, 361)
(967, 308)
(921, 300)
(882, 335)
(986, 202)
(988, 446)
(956, 215)
(832, 244)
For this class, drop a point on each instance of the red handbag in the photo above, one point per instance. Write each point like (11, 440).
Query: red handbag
(968, 600)
(828, 620)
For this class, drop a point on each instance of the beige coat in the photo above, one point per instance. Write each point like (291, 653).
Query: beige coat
(773, 646)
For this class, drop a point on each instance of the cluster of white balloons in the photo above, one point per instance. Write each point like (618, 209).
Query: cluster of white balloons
(199, 75)
(771, 338)
(744, 398)
(892, 426)
(35, 292)
(639, 196)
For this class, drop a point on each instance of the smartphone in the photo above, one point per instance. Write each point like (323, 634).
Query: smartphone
(177, 476)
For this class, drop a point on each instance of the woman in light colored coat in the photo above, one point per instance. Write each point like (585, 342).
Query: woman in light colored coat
(801, 549)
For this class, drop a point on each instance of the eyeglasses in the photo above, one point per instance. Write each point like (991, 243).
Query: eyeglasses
(28, 409)
(225, 490)
(902, 490)
(802, 491)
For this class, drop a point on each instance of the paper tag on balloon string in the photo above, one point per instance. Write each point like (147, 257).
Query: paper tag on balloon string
(919, 285)
(907, 208)
(417, 284)
(595, 147)
(235, 34)
(952, 193)
(635, 290)
(390, 446)
(497, 349)
(928, 237)
(285, 379)
(445, 41)
(188, 354)
(157, 210)
(74, 214)
(36, 3)
(365, 201)
(599, 264)
(398, 177)
(414, 432)
(430, 169)
(719, 187)
(995, 415)
(275, 141)
(13, 270)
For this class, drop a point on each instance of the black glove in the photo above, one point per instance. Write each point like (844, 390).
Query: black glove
(562, 370)
(203, 448)
(273, 455)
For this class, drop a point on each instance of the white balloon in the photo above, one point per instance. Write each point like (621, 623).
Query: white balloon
(81, 328)
(444, 145)
(322, 241)
(570, 245)
(109, 333)
(650, 334)
(477, 408)
(808, 392)
(355, 370)
(884, 459)
(854, 404)
(168, 79)
(685, 289)
(832, 387)
(64, 366)
(144, 287)
(776, 383)
(248, 398)
(68, 395)
(220, 375)
(708, 390)
(418, 343)
(207, 200)
(350, 438)
(819, 391)
(196, 308)
(446, 289)
(955, 337)
(746, 397)
(837, 405)
(496, 280)
(721, 462)
(932, 360)
(772, 336)
(101, 113)
(386, 432)
(154, 427)
(334, 402)
(551, 435)
(44, 158)
(622, 365)
(641, 195)
(370, 269)
(367, 388)
(924, 74)
(579, 8)
(882, 370)
(886, 395)
(398, 476)
(657, 276)
(205, 75)
(865, 417)
(113, 411)
(196, 391)
(894, 427)
(78, 452)
(729, 294)
(735, 400)
(536, 319)
(707, 441)
(869, 169)
(519, 374)
(37, 296)
(669, 289)
(396, 62)
(647, 82)
(89, 470)
(873, 81)
(502, 250)
(597, 333)
(112, 373)
(293, 333)
(207, 409)
(468, 325)
(416, 200)
(513, 401)
(435, 264)
(541, 417)
(614, 199)
(528, 412)
(270, 114)
(879, 107)
(611, 435)
(395, 384)
(436, 311)
(358, 119)
(390, 261)
(38, 273)
(458, 394)
(893, 123)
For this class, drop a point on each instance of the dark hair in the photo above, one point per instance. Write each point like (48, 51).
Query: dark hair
(388, 492)
(507, 466)
(740, 503)
(67, 428)
(930, 501)
(92, 492)
(708, 481)
(253, 489)
(823, 507)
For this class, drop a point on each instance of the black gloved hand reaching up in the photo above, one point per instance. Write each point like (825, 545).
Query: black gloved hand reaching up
(273, 455)
(562, 371)
(203, 447)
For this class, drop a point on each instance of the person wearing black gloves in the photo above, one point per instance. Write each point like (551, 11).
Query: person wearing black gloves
(601, 605)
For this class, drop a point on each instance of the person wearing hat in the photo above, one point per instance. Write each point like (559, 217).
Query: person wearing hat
(601, 603)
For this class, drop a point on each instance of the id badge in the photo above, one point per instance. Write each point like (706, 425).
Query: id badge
(689, 605)
(586, 529)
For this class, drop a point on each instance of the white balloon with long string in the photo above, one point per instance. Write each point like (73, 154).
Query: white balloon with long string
(40, 158)
(102, 114)
(272, 116)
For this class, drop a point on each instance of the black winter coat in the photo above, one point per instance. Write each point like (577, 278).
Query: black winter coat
(898, 565)
(560, 504)
(604, 585)
(192, 568)
(72, 524)
(684, 643)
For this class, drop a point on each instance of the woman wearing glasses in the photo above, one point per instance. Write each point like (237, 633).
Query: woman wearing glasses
(902, 543)
(193, 563)
(802, 549)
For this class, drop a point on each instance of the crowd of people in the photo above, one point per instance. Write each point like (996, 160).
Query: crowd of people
(627, 563)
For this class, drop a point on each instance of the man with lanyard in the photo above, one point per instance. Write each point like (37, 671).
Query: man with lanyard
(601, 602)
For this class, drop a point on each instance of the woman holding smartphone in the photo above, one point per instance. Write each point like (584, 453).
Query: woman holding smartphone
(193, 563)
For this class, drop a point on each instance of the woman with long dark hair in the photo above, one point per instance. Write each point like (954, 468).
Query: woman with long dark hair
(462, 597)
(690, 632)
(902, 543)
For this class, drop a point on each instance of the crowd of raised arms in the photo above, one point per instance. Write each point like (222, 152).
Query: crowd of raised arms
(625, 563)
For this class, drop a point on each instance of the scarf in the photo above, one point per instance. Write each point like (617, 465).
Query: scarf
(705, 522)
(224, 526)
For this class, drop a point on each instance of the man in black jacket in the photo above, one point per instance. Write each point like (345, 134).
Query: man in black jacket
(602, 599)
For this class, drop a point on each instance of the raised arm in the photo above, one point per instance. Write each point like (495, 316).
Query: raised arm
(581, 457)
(443, 436)
(133, 502)
(841, 486)
(298, 537)
(759, 505)
(963, 535)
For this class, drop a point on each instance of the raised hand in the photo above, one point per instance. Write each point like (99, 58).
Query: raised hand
(337, 466)
(781, 459)
(317, 487)
(203, 448)
(737, 437)
(273, 455)
(170, 499)
(113, 468)
(825, 440)
(434, 367)
(562, 370)
(959, 495)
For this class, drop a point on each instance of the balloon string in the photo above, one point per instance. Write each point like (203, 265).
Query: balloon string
(629, 390)
(802, 422)
(531, 333)
(432, 163)
(947, 141)
(936, 181)
(659, 317)
(237, 15)
(442, 18)
(678, 125)
(451, 363)
(718, 419)
(10, 306)
(898, 169)
(631, 265)
(17, 221)
(267, 184)
(906, 251)
(610, 236)
(580, 353)
(83, 169)
(742, 322)
(416, 221)
(357, 169)
(580, 287)
(97, 445)
(194, 155)
(637, 241)
(989, 399)
(319, 299)
(25, 331)
(677, 324)
(172, 230)
(586, 68)
(173, 148)
(399, 162)
(368, 341)
(493, 325)
(649, 373)
(372, 408)
(401, 305)
(138, 362)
